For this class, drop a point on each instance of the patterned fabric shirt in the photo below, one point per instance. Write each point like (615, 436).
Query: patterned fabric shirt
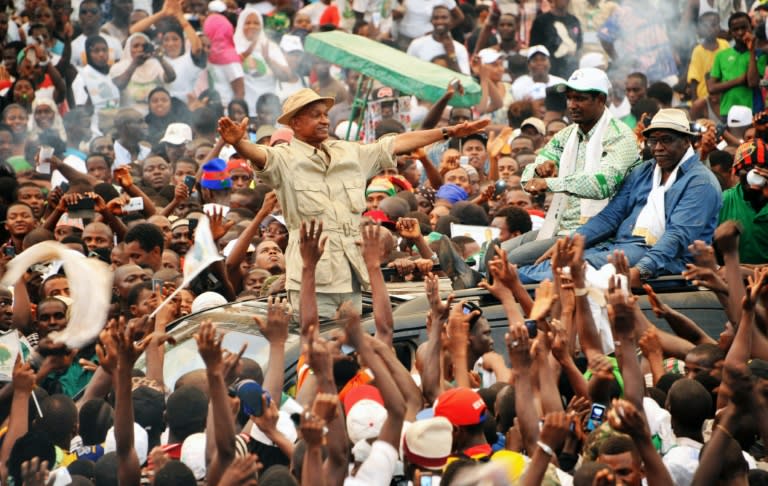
(620, 154)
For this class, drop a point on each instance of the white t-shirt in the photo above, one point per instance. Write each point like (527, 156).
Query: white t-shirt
(78, 49)
(378, 469)
(186, 75)
(525, 87)
(418, 14)
(259, 78)
(99, 87)
(427, 48)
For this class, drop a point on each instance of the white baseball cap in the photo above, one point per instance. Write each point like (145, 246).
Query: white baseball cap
(291, 43)
(593, 60)
(589, 79)
(536, 123)
(739, 116)
(489, 56)
(177, 134)
(533, 50)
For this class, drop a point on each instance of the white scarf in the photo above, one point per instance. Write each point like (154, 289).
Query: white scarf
(592, 160)
(652, 220)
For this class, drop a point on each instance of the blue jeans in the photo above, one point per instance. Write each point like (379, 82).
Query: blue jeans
(524, 249)
(596, 256)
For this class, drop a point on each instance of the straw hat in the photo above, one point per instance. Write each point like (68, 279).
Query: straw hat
(294, 103)
(670, 119)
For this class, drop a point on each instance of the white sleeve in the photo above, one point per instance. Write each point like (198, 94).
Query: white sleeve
(277, 54)
(78, 91)
(462, 58)
(451, 4)
(378, 469)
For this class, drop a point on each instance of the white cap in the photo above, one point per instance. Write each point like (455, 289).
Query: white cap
(206, 300)
(489, 56)
(589, 79)
(533, 50)
(593, 60)
(231, 245)
(341, 130)
(140, 442)
(217, 6)
(177, 134)
(536, 123)
(273, 217)
(739, 116)
(290, 43)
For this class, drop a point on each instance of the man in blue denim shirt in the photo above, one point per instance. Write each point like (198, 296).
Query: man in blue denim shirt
(663, 206)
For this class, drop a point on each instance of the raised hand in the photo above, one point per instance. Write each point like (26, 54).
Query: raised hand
(311, 242)
(650, 344)
(122, 175)
(621, 307)
(34, 472)
(703, 254)
(545, 298)
(180, 192)
(438, 308)
(601, 368)
(757, 285)
(705, 277)
(351, 320)
(555, 429)
(23, 377)
(209, 346)
(558, 340)
(458, 326)
(518, 347)
(727, 236)
(106, 348)
(496, 143)
(625, 417)
(128, 351)
(409, 228)
(468, 128)
(318, 352)
(242, 471)
(269, 205)
(219, 225)
(278, 317)
(232, 132)
(371, 244)
(312, 429)
(659, 308)
(326, 406)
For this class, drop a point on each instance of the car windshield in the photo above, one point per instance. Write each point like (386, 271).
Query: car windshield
(235, 321)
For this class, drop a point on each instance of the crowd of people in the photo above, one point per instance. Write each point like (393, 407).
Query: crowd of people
(160, 158)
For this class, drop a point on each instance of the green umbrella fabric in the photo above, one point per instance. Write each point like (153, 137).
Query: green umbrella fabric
(391, 67)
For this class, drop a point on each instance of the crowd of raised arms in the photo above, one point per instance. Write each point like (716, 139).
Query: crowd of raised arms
(228, 259)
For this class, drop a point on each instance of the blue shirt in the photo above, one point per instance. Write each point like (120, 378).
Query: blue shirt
(691, 204)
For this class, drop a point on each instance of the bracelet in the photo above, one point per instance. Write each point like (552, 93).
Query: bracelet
(545, 448)
(725, 431)
(580, 292)
(445, 133)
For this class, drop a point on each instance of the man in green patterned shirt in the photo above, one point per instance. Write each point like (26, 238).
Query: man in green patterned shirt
(583, 165)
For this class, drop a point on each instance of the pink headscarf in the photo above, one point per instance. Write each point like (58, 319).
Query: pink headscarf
(220, 32)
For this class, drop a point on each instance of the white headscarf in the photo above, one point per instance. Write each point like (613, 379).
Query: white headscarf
(147, 72)
(58, 124)
(241, 41)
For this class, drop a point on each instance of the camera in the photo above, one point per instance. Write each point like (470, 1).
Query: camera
(149, 48)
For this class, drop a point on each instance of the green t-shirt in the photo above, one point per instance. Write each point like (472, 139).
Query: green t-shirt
(754, 233)
(730, 64)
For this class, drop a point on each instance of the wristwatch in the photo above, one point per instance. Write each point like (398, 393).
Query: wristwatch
(446, 134)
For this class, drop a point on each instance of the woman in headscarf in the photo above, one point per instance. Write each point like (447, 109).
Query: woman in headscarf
(225, 73)
(93, 86)
(141, 68)
(45, 116)
(163, 110)
(264, 63)
(181, 45)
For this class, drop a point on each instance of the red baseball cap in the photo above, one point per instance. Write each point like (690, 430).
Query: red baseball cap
(462, 406)
(362, 392)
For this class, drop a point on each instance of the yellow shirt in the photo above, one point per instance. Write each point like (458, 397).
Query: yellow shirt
(701, 63)
(326, 184)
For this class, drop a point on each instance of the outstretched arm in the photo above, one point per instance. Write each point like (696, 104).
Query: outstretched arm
(234, 134)
(406, 143)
